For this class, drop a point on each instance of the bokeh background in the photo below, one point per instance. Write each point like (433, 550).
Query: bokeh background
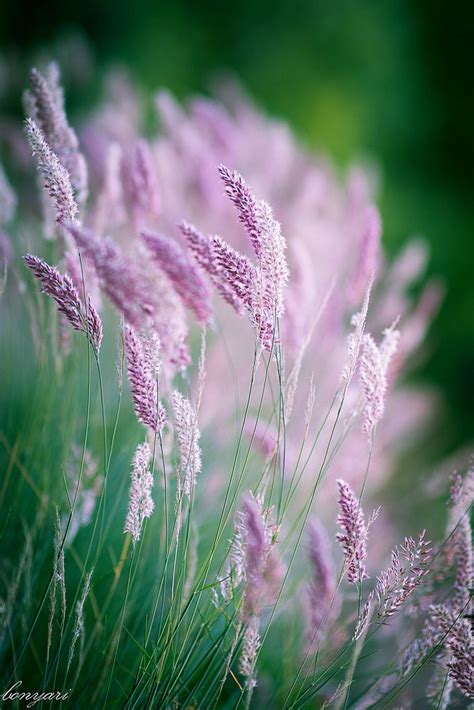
(388, 83)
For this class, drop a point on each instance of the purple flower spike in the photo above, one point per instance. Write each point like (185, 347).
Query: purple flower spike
(182, 273)
(63, 291)
(354, 538)
(202, 249)
(322, 602)
(55, 176)
(45, 103)
(373, 370)
(245, 203)
(143, 384)
(237, 269)
(118, 277)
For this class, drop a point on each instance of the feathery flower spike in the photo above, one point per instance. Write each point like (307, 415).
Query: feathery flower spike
(368, 257)
(460, 538)
(263, 231)
(408, 567)
(140, 183)
(355, 535)
(251, 643)
(248, 285)
(63, 291)
(374, 364)
(252, 557)
(143, 384)
(238, 270)
(188, 435)
(45, 104)
(118, 276)
(459, 643)
(182, 273)
(56, 178)
(245, 203)
(269, 246)
(322, 604)
(355, 338)
(140, 502)
(272, 260)
(201, 248)
(262, 567)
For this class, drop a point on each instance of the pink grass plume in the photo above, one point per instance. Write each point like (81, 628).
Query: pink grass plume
(63, 291)
(143, 384)
(140, 503)
(355, 533)
(183, 274)
(56, 178)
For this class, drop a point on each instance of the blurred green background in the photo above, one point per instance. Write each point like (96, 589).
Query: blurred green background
(389, 82)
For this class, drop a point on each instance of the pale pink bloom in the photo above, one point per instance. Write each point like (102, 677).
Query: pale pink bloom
(364, 617)
(140, 184)
(55, 177)
(405, 574)
(354, 538)
(182, 273)
(322, 600)
(246, 205)
(63, 291)
(253, 560)
(202, 249)
(108, 210)
(430, 636)
(263, 436)
(324, 218)
(269, 246)
(118, 276)
(143, 383)
(237, 269)
(459, 644)
(45, 104)
(247, 283)
(459, 545)
(447, 629)
(188, 435)
(262, 572)
(373, 373)
(140, 502)
(410, 263)
(272, 260)
(260, 537)
(369, 249)
(251, 643)
(308, 412)
(355, 338)
(416, 325)
(235, 572)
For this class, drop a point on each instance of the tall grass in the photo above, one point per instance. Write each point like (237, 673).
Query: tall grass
(228, 588)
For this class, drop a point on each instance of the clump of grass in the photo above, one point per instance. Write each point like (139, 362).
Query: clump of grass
(205, 579)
